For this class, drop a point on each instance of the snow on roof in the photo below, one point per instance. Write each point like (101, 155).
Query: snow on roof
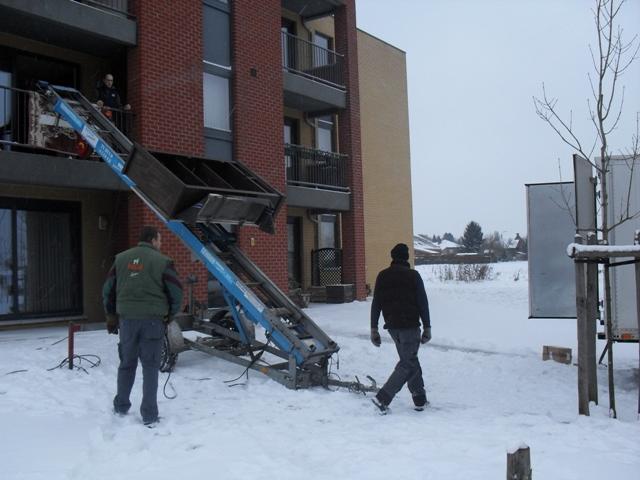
(422, 243)
(513, 243)
(449, 244)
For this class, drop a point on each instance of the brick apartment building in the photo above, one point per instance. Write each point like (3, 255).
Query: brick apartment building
(273, 86)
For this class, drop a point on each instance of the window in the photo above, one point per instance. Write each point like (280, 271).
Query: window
(294, 242)
(216, 64)
(324, 134)
(322, 54)
(327, 231)
(290, 138)
(5, 102)
(216, 101)
(215, 31)
(288, 29)
(40, 267)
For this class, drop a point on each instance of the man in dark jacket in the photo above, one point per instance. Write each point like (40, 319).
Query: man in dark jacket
(108, 95)
(142, 291)
(399, 293)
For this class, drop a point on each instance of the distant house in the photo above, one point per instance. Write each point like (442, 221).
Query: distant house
(516, 249)
(428, 251)
(423, 247)
(447, 247)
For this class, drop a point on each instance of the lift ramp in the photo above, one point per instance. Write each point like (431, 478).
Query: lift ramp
(195, 198)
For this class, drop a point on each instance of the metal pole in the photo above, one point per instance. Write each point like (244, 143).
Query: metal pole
(582, 319)
(73, 328)
(637, 242)
(609, 329)
(592, 319)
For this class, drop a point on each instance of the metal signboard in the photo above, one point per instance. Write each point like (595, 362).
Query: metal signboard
(551, 227)
(623, 188)
(585, 186)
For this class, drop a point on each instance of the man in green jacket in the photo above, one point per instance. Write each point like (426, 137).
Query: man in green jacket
(142, 291)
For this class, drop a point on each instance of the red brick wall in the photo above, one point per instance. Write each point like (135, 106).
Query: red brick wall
(165, 75)
(349, 136)
(257, 119)
(165, 93)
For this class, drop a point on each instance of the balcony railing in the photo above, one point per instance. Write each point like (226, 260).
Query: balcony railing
(307, 167)
(116, 6)
(304, 58)
(27, 125)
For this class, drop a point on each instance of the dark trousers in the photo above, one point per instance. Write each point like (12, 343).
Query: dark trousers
(139, 338)
(407, 369)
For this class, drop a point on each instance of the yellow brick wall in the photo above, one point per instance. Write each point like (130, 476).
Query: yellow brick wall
(384, 116)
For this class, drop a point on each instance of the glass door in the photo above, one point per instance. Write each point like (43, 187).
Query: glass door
(294, 252)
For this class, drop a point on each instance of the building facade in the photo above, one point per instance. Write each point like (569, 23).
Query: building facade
(385, 149)
(276, 88)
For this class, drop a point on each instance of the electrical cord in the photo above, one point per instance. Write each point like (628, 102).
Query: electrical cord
(164, 389)
(93, 360)
(254, 359)
(58, 341)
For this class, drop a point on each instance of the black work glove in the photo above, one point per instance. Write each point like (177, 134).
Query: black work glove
(375, 337)
(426, 335)
(112, 323)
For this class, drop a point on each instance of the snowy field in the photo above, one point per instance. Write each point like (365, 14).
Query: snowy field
(489, 391)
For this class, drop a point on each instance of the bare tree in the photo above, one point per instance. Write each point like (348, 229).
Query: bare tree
(611, 58)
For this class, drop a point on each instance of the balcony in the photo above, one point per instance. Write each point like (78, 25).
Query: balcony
(37, 147)
(98, 27)
(316, 179)
(313, 76)
(309, 9)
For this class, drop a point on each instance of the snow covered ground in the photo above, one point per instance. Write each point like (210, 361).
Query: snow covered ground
(489, 391)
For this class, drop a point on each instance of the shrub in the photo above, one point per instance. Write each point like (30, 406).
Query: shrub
(465, 272)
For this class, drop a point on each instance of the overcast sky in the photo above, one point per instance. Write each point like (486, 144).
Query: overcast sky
(473, 67)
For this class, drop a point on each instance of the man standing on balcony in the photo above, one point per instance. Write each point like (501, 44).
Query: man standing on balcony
(141, 292)
(399, 293)
(108, 95)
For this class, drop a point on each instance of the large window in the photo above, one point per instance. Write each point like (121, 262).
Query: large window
(216, 102)
(216, 62)
(215, 30)
(40, 267)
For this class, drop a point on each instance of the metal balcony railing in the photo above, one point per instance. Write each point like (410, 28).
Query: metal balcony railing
(27, 125)
(116, 6)
(315, 168)
(304, 58)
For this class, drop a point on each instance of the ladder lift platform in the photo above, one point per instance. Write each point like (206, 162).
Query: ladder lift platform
(195, 198)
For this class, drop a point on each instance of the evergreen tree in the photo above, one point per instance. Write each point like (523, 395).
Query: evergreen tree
(472, 238)
(448, 236)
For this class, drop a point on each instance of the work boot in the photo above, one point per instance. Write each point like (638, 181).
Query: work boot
(420, 401)
(382, 407)
(151, 423)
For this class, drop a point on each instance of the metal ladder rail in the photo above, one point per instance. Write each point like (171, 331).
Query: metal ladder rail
(285, 315)
(255, 310)
(298, 321)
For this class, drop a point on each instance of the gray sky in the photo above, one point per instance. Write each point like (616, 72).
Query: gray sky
(473, 67)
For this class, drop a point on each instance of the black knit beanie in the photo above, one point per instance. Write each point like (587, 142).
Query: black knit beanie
(400, 252)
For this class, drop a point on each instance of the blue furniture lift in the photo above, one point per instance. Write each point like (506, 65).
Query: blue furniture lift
(194, 198)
